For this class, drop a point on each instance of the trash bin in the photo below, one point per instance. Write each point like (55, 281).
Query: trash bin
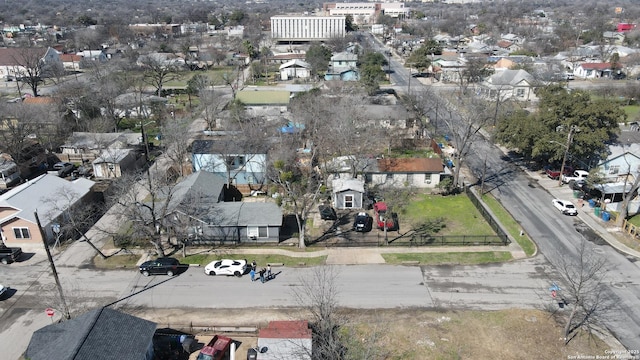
(576, 194)
(596, 211)
(606, 216)
(592, 203)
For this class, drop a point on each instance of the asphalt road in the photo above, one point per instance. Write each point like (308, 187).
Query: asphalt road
(511, 285)
(559, 238)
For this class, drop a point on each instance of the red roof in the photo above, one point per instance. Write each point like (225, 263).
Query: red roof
(286, 330)
(70, 58)
(596, 66)
(411, 165)
(39, 100)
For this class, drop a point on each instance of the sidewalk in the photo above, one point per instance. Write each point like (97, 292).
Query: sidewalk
(606, 230)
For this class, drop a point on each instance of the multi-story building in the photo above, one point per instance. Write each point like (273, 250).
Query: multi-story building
(366, 12)
(307, 28)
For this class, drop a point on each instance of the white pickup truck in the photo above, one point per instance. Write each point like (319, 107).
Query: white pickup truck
(577, 176)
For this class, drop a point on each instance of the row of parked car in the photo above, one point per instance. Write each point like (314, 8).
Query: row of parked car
(171, 266)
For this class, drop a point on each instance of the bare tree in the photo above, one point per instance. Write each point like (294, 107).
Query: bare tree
(319, 294)
(175, 136)
(158, 72)
(76, 216)
(211, 104)
(145, 202)
(464, 123)
(30, 66)
(584, 293)
(19, 123)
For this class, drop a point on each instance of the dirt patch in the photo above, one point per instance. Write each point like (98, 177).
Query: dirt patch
(405, 333)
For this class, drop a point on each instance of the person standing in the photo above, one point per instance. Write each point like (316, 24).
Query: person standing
(254, 266)
(252, 274)
(268, 271)
(262, 271)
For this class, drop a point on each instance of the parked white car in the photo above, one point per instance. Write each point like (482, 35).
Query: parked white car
(3, 289)
(226, 267)
(577, 176)
(565, 207)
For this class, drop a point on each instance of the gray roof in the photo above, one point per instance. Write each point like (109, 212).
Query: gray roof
(88, 140)
(225, 146)
(245, 214)
(344, 56)
(101, 334)
(510, 77)
(340, 185)
(40, 194)
(113, 156)
(201, 185)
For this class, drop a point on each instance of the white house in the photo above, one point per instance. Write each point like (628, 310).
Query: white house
(509, 84)
(15, 61)
(414, 172)
(295, 69)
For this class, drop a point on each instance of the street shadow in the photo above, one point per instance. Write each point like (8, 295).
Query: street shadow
(332, 231)
(26, 256)
(272, 277)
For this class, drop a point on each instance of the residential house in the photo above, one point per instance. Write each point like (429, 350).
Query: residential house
(239, 163)
(508, 46)
(270, 105)
(450, 70)
(286, 340)
(71, 62)
(113, 163)
(613, 37)
(343, 66)
(623, 164)
(92, 55)
(197, 208)
(594, 70)
(81, 147)
(407, 172)
(102, 333)
(347, 193)
(509, 84)
(14, 62)
(295, 69)
(49, 195)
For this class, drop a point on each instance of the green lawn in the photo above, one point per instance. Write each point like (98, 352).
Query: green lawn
(633, 112)
(255, 97)
(513, 228)
(457, 258)
(261, 259)
(461, 217)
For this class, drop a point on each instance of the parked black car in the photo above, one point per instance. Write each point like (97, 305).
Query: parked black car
(160, 266)
(9, 254)
(327, 212)
(363, 222)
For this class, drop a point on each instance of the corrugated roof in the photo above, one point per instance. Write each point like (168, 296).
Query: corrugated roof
(423, 165)
(40, 100)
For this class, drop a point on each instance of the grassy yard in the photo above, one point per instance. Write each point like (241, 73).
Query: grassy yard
(513, 228)
(459, 214)
(633, 112)
(457, 258)
(261, 259)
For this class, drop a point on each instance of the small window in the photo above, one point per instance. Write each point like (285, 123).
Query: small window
(520, 92)
(389, 177)
(263, 232)
(614, 169)
(348, 201)
(22, 233)
(427, 178)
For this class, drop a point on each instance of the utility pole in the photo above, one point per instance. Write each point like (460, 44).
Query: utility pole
(65, 309)
(572, 130)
